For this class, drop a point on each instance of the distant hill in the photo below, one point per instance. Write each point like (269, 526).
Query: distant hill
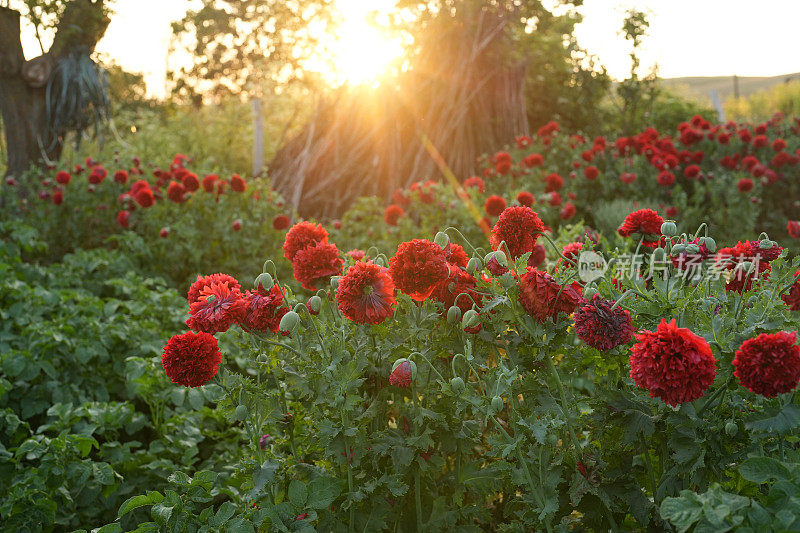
(701, 86)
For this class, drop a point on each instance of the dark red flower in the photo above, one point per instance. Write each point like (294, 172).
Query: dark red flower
(519, 227)
(196, 288)
(502, 162)
(494, 205)
(591, 172)
(644, 222)
(475, 182)
(366, 293)
(456, 255)
(316, 263)
(742, 267)
(602, 327)
(792, 297)
(627, 177)
(63, 177)
(190, 182)
(537, 256)
(144, 197)
(542, 297)
(417, 267)
(209, 181)
(237, 183)
(280, 222)
(533, 160)
(97, 175)
(163, 233)
(301, 235)
(745, 185)
(449, 291)
(769, 364)
(673, 363)
(121, 177)
(58, 197)
(793, 228)
(216, 309)
(568, 211)
(175, 192)
(263, 309)
(402, 375)
(665, 178)
(191, 359)
(237, 225)
(525, 198)
(555, 199)
(553, 182)
(392, 214)
(691, 172)
(123, 218)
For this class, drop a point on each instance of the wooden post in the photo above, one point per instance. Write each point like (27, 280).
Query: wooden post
(258, 137)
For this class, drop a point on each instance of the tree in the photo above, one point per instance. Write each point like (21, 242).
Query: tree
(61, 90)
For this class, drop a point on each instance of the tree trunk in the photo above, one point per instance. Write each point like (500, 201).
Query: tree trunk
(23, 83)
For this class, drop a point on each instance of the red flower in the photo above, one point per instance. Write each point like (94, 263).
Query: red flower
(417, 267)
(121, 177)
(208, 182)
(392, 214)
(63, 177)
(644, 222)
(553, 182)
(163, 233)
(602, 327)
(665, 178)
(769, 364)
(745, 185)
(144, 197)
(533, 160)
(476, 182)
(543, 298)
(190, 182)
(568, 211)
(316, 263)
(627, 177)
(494, 205)
(402, 375)
(449, 291)
(456, 255)
(735, 261)
(525, 198)
(685, 261)
(301, 235)
(123, 218)
(792, 298)
(366, 293)
(555, 199)
(399, 197)
(237, 183)
(691, 171)
(572, 252)
(519, 227)
(237, 225)
(263, 309)
(537, 257)
(793, 228)
(191, 359)
(673, 363)
(502, 162)
(196, 288)
(216, 309)
(591, 172)
(58, 197)
(97, 175)
(280, 222)
(175, 192)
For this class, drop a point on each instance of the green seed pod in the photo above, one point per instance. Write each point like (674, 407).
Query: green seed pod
(289, 322)
(497, 405)
(669, 229)
(710, 243)
(589, 291)
(380, 262)
(692, 249)
(731, 429)
(265, 280)
(457, 384)
(658, 255)
(470, 319)
(746, 266)
(315, 304)
(241, 413)
(474, 265)
(453, 315)
(442, 240)
(335, 282)
(678, 249)
(766, 244)
(488, 257)
(501, 258)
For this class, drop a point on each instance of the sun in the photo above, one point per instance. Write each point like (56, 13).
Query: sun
(358, 50)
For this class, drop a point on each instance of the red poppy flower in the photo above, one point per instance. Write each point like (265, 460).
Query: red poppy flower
(450, 291)
(533, 160)
(792, 297)
(519, 227)
(301, 235)
(237, 225)
(553, 182)
(602, 327)
(568, 211)
(745, 185)
(402, 375)
(673, 363)
(691, 172)
(63, 177)
(627, 177)
(417, 267)
(502, 162)
(190, 182)
(237, 183)
(280, 222)
(542, 297)
(191, 359)
(97, 175)
(644, 222)
(769, 364)
(216, 309)
(175, 192)
(742, 265)
(263, 309)
(537, 256)
(494, 205)
(399, 197)
(525, 198)
(355, 254)
(793, 228)
(366, 293)
(665, 178)
(393, 214)
(456, 255)
(163, 233)
(316, 263)
(591, 172)
(123, 218)
(209, 182)
(555, 199)
(58, 197)
(121, 177)
(196, 288)
(475, 182)
(144, 197)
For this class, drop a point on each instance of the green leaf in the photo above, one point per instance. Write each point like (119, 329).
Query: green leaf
(298, 493)
(224, 513)
(682, 511)
(141, 500)
(114, 527)
(322, 492)
(783, 421)
(196, 399)
(762, 469)
(264, 475)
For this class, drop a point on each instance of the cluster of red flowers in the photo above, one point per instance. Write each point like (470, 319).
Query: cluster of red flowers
(314, 259)
(644, 224)
(746, 262)
(602, 325)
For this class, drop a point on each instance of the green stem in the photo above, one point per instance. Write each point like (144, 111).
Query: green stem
(564, 406)
(345, 425)
(418, 499)
(714, 396)
(649, 466)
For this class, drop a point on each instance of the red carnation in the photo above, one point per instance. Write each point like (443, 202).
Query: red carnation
(602, 327)
(519, 227)
(525, 198)
(301, 235)
(237, 183)
(392, 214)
(191, 359)
(366, 293)
(543, 298)
(316, 263)
(792, 298)
(190, 182)
(205, 281)
(476, 182)
(769, 364)
(175, 192)
(280, 222)
(123, 218)
(494, 205)
(263, 309)
(63, 177)
(402, 375)
(673, 363)
(216, 309)
(417, 267)
(644, 222)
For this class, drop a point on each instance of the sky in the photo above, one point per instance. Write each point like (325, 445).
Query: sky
(686, 37)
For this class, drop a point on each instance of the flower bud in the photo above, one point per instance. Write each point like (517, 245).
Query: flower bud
(496, 406)
(264, 441)
(709, 243)
(314, 304)
(766, 244)
(678, 249)
(746, 266)
(658, 256)
(442, 240)
(501, 258)
(265, 280)
(470, 319)
(669, 229)
(453, 315)
(380, 262)
(241, 413)
(473, 265)
(289, 322)
(335, 282)
(589, 291)
(731, 429)
(692, 249)
(457, 384)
